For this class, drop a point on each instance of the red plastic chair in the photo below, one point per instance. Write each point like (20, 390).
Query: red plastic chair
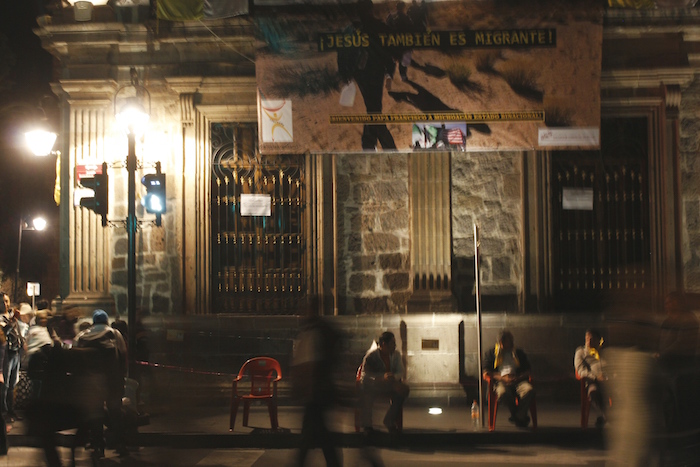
(261, 371)
(493, 405)
(358, 389)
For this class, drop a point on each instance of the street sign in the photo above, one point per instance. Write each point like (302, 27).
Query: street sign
(87, 170)
(33, 289)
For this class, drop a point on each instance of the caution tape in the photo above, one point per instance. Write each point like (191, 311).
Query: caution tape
(183, 369)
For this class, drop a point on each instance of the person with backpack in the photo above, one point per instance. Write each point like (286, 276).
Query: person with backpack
(112, 362)
(14, 343)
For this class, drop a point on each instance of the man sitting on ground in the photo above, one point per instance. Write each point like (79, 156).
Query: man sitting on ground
(509, 368)
(589, 368)
(382, 373)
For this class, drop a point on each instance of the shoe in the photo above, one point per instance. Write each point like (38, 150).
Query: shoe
(122, 451)
(391, 428)
(15, 417)
(600, 422)
(98, 453)
(522, 423)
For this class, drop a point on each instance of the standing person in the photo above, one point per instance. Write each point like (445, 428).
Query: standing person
(419, 15)
(383, 373)
(509, 367)
(589, 367)
(14, 343)
(370, 67)
(680, 332)
(39, 344)
(3, 428)
(113, 357)
(679, 362)
(400, 23)
(316, 354)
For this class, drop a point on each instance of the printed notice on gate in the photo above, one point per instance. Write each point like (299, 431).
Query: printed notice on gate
(577, 199)
(256, 205)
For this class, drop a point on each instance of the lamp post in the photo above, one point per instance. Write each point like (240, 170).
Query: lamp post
(132, 117)
(38, 223)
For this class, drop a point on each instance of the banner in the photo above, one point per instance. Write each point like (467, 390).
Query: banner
(189, 10)
(392, 76)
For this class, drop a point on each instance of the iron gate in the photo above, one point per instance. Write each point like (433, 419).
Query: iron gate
(258, 263)
(602, 246)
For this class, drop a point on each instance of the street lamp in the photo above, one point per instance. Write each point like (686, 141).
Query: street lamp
(132, 117)
(40, 141)
(38, 223)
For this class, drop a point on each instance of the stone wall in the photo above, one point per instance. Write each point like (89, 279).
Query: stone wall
(197, 356)
(373, 233)
(158, 262)
(690, 184)
(486, 190)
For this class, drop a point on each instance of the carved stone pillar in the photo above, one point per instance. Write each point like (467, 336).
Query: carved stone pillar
(673, 205)
(203, 101)
(86, 245)
(431, 239)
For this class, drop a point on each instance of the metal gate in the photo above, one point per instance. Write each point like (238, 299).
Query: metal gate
(600, 223)
(258, 264)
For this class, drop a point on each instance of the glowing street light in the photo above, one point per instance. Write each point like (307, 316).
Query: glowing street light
(40, 142)
(132, 117)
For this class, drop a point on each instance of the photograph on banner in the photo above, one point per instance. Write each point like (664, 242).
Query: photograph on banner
(440, 136)
(368, 75)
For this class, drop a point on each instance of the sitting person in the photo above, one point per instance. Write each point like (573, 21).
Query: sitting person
(382, 373)
(509, 368)
(589, 367)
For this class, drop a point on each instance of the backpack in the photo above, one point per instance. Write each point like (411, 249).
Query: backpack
(14, 339)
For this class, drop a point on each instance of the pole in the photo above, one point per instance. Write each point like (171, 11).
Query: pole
(19, 252)
(477, 283)
(131, 232)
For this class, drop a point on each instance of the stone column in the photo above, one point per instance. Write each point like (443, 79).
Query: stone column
(86, 142)
(431, 239)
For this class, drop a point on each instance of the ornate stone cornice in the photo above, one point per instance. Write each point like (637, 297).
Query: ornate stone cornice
(87, 92)
(646, 78)
(673, 100)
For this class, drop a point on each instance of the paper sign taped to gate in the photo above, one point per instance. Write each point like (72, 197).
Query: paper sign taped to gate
(256, 205)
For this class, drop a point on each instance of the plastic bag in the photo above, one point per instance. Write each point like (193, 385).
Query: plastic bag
(347, 94)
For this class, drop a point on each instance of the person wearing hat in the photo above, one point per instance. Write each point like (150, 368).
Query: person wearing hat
(113, 351)
(14, 342)
(26, 316)
(3, 346)
(39, 344)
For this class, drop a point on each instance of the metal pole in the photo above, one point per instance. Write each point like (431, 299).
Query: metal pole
(477, 283)
(19, 252)
(131, 232)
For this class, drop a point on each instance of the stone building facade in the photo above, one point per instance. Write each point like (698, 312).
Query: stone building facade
(390, 238)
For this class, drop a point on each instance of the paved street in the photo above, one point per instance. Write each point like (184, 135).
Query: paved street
(494, 456)
(200, 437)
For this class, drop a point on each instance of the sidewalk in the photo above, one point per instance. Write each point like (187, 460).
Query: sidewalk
(208, 427)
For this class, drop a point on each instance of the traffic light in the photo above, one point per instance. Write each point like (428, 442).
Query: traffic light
(154, 201)
(99, 201)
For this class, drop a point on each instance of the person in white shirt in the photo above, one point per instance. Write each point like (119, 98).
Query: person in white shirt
(590, 368)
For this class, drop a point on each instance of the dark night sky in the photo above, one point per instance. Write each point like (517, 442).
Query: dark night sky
(26, 182)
